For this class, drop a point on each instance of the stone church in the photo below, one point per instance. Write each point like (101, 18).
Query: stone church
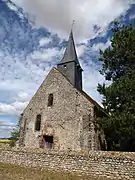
(61, 116)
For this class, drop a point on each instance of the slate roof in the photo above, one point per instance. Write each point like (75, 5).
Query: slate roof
(70, 52)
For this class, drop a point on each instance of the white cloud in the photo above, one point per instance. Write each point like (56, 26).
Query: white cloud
(11, 6)
(19, 106)
(15, 108)
(91, 78)
(45, 55)
(23, 77)
(44, 41)
(57, 15)
(7, 109)
(80, 50)
(6, 126)
(23, 96)
(102, 46)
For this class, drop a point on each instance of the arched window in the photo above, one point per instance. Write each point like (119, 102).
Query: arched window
(50, 100)
(38, 123)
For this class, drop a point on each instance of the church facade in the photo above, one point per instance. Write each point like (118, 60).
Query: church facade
(61, 116)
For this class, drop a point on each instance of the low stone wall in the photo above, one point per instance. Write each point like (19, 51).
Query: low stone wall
(113, 165)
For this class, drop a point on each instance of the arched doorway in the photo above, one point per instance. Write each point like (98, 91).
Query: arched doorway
(48, 140)
(48, 136)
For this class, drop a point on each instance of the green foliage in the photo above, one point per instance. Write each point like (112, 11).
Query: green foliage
(14, 137)
(118, 66)
(15, 134)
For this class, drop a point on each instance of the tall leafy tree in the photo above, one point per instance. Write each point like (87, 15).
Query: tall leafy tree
(118, 67)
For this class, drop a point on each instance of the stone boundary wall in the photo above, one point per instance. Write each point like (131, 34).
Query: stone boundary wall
(113, 165)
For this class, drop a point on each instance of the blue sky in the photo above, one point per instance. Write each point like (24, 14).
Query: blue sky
(33, 36)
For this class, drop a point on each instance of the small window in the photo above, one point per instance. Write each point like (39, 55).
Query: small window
(38, 123)
(50, 100)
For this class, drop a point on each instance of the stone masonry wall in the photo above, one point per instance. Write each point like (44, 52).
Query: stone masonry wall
(113, 165)
(67, 117)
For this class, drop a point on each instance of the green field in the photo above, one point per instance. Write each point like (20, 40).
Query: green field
(4, 141)
(12, 172)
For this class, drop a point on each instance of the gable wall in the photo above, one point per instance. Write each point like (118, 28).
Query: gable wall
(66, 117)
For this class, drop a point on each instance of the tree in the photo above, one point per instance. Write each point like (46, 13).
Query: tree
(14, 136)
(118, 66)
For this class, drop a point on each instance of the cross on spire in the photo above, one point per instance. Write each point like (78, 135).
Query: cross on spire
(73, 23)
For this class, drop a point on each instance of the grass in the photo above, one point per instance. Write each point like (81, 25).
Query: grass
(4, 141)
(15, 172)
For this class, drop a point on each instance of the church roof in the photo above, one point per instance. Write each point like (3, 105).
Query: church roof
(70, 52)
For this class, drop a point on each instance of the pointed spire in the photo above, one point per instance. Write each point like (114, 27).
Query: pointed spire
(70, 52)
(69, 65)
